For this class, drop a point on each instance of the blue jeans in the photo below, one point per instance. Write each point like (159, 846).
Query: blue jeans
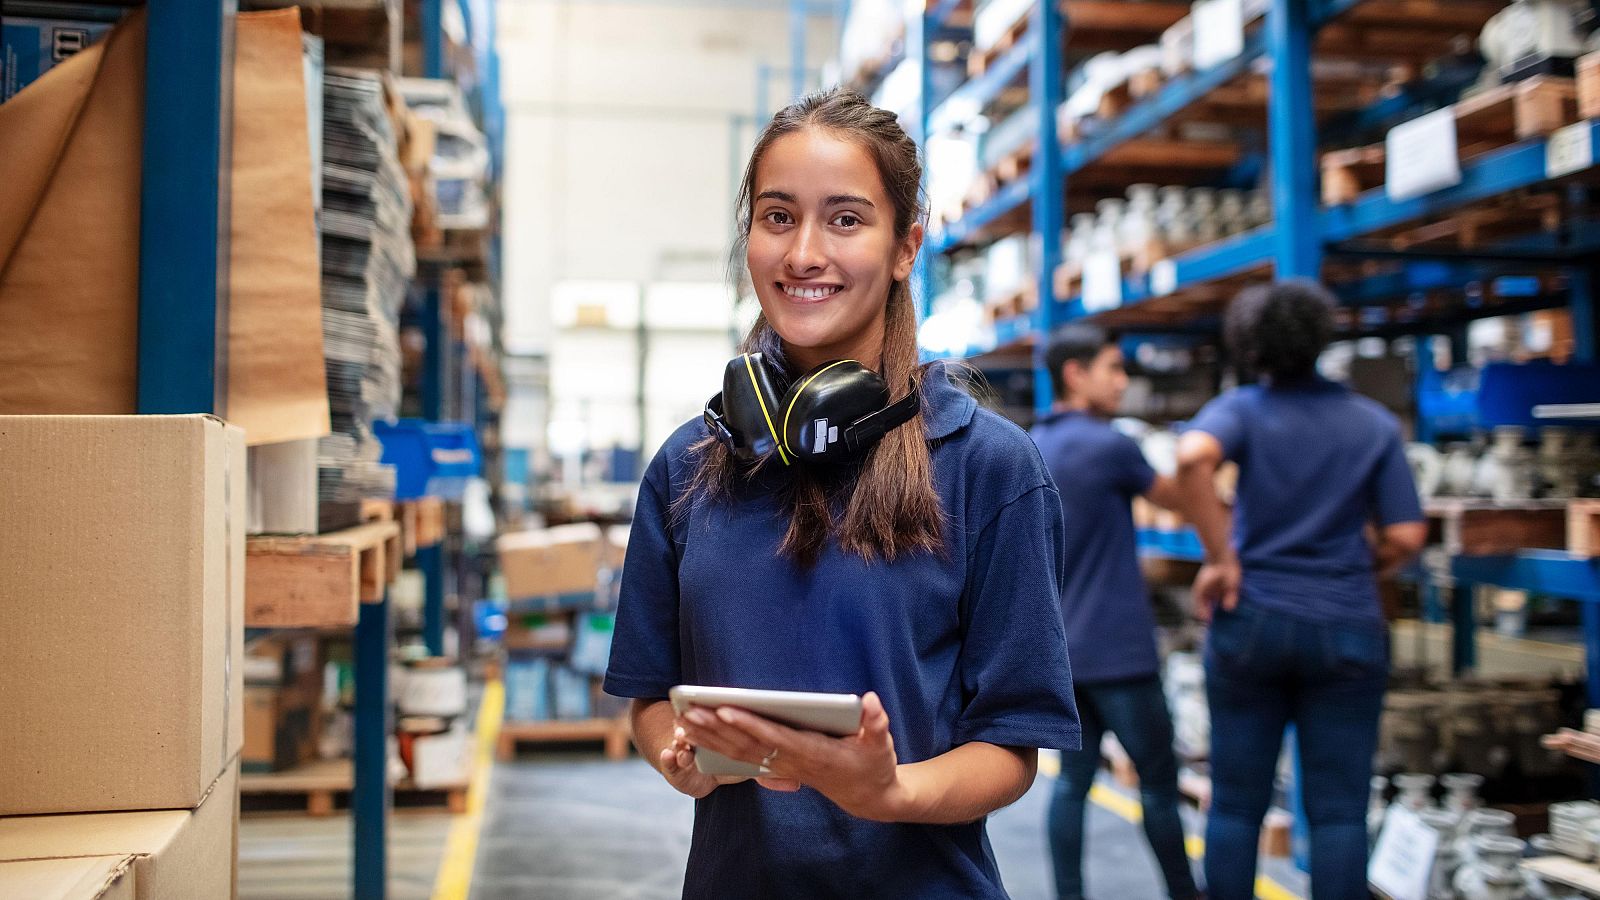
(1265, 670)
(1136, 712)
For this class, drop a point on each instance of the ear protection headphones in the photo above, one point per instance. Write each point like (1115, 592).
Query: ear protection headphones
(833, 413)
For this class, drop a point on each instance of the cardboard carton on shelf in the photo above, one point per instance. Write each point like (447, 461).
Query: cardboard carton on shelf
(549, 561)
(75, 878)
(121, 586)
(282, 703)
(169, 854)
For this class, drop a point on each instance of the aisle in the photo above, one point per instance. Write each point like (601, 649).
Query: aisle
(296, 857)
(579, 828)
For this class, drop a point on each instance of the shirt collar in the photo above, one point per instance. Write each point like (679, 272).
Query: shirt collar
(946, 408)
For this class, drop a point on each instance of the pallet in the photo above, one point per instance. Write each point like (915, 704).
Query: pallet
(979, 61)
(323, 781)
(421, 523)
(1485, 528)
(616, 733)
(1583, 528)
(1016, 303)
(318, 581)
(1589, 86)
(1488, 121)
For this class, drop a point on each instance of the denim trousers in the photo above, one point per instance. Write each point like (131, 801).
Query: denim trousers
(1136, 712)
(1264, 671)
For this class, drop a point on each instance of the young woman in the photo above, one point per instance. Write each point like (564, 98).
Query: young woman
(925, 575)
(1297, 634)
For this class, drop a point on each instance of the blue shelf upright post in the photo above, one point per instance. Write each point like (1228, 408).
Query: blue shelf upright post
(916, 43)
(431, 559)
(1292, 133)
(1049, 185)
(432, 29)
(1297, 237)
(183, 213)
(372, 798)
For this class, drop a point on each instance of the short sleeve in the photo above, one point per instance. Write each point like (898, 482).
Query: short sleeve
(1016, 680)
(1394, 490)
(1133, 472)
(644, 647)
(1223, 419)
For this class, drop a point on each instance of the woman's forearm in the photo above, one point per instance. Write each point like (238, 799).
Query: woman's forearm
(963, 785)
(1197, 484)
(652, 728)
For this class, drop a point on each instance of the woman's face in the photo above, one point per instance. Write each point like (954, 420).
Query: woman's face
(822, 250)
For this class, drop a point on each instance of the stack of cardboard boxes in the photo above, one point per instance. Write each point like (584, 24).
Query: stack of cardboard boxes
(557, 644)
(121, 715)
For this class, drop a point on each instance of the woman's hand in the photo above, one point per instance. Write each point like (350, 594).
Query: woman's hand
(859, 772)
(677, 765)
(1216, 583)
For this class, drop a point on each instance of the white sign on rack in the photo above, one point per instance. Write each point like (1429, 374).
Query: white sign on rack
(1403, 860)
(1422, 156)
(1570, 150)
(1218, 31)
(1102, 281)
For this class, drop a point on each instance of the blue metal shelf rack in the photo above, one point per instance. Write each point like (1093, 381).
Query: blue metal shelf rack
(1306, 233)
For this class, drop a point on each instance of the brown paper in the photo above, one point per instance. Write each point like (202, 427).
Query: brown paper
(275, 390)
(69, 236)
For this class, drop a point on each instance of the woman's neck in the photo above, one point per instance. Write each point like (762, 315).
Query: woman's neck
(804, 359)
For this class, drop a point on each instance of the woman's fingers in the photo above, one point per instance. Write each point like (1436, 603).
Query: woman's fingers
(713, 732)
(874, 720)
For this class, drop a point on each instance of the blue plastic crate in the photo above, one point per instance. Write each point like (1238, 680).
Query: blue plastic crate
(430, 459)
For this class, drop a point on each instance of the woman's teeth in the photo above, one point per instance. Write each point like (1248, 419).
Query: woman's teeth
(810, 293)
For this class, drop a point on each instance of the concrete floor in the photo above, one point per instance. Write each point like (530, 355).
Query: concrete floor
(576, 827)
(296, 857)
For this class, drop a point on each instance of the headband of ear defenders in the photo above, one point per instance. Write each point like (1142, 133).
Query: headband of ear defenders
(833, 413)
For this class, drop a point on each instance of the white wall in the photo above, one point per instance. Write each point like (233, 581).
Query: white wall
(621, 153)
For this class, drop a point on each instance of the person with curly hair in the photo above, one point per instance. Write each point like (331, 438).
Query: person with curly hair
(1297, 635)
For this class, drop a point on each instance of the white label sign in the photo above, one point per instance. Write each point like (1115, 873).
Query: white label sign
(1570, 150)
(1102, 282)
(1163, 278)
(1218, 31)
(1422, 156)
(1403, 859)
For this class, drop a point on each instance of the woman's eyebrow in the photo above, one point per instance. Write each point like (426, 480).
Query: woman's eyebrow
(834, 200)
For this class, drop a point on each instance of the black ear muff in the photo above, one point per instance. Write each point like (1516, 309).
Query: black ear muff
(837, 411)
(745, 415)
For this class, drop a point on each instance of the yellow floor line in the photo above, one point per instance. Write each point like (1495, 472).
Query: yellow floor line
(1128, 809)
(454, 881)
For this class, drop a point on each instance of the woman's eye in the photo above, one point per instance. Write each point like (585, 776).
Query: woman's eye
(847, 221)
(779, 217)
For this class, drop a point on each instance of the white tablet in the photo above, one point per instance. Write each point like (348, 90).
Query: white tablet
(835, 715)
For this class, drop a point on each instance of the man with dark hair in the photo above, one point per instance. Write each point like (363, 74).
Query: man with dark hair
(1105, 605)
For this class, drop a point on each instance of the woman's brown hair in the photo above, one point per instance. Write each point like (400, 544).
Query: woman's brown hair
(886, 506)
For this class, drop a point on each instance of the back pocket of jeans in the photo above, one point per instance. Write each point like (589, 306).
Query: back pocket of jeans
(1357, 652)
(1232, 636)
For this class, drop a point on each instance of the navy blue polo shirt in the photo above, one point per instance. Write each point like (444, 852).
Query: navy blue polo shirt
(961, 646)
(1106, 609)
(1317, 462)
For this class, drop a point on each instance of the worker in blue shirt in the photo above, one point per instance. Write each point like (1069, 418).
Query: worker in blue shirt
(1297, 635)
(1105, 606)
(910, 553)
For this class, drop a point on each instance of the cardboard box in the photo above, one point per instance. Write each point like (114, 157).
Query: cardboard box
(80, 878)
(538, 631)
(122, 593)
(441, 760)
(616, 546)
(176, 854)
(563, 560)
(282, 703)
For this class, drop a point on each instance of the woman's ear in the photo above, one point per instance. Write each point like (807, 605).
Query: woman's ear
(906, 253)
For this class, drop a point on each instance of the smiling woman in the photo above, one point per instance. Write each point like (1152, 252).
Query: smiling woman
(924, 574)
